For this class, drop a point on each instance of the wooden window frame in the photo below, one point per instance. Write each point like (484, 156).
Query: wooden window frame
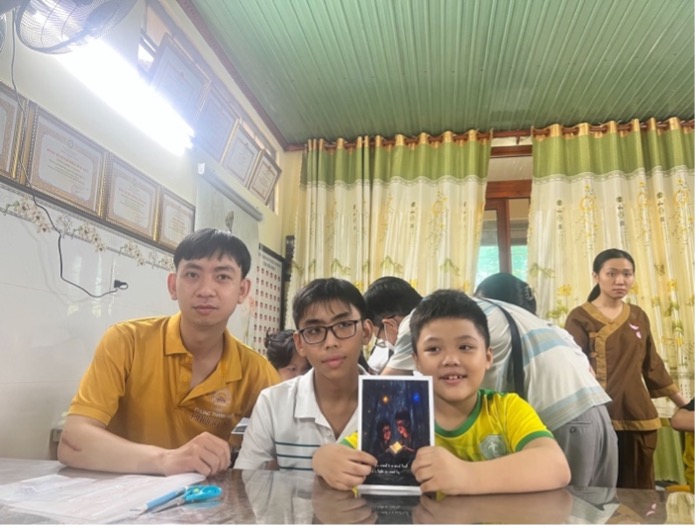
(497, 196)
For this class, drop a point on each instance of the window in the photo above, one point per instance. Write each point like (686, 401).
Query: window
(504, 237)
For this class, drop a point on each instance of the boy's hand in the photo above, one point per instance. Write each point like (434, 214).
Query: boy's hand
(341, 466)
(205, 453)
(436, 469)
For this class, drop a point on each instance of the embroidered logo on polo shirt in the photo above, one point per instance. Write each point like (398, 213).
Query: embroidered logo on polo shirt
(221, 398)
(493, 446)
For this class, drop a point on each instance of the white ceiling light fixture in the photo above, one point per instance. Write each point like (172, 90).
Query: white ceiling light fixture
(115, 81)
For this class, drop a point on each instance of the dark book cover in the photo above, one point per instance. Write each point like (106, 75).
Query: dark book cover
(396, 418)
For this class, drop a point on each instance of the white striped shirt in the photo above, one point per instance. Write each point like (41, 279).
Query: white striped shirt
(287, 426)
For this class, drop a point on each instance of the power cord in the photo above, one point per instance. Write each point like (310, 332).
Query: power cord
(118, 285)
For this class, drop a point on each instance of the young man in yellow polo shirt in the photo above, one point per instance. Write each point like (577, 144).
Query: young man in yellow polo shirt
(162, 394)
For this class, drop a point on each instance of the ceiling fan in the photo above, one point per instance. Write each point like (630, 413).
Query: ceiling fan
(59, 26)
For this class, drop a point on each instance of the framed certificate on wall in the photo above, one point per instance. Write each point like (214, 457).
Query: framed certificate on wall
(176, 220)
(65, 164)
(10, 130)
(241, 155)
(178, 79)
(215, 124)
(132, 199)
(264, 178)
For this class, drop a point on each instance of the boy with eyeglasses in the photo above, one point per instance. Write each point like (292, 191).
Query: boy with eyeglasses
(292, 419)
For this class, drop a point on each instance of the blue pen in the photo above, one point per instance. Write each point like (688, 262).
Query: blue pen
(164, 499)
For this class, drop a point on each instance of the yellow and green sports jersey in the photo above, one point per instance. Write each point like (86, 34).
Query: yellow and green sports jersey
(500, 424)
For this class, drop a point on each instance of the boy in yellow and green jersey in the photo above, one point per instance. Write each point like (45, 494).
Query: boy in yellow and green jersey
(486, 442)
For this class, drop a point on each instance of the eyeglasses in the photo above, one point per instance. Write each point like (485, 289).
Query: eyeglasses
(380, 341)
(388, 318)
(317, 334)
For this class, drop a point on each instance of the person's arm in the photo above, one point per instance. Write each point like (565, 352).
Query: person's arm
(86, 444)
(577, 331)
(401, 362)
(539, 466)
(342, 467)
(678, 399)
(257, 450)
(655, 374)
(683, 419)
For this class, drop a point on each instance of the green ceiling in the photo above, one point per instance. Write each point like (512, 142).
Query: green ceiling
(344, 68)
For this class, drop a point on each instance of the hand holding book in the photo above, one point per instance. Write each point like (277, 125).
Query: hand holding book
(396, 419)
(342, 467)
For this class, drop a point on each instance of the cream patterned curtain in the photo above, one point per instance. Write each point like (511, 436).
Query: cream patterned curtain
(626, 186)
(410, 208)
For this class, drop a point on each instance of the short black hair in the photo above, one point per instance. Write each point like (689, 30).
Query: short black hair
(389, 296)
(280, 348)
(448, 304)
(326, 291)
(506, 287)
(209, 242)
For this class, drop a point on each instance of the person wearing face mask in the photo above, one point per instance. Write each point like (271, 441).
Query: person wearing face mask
(389, 300)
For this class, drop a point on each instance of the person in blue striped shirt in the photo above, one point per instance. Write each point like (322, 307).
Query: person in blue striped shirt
(557, 380)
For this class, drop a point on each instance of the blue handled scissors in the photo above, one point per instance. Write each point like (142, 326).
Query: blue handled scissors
(197, 493)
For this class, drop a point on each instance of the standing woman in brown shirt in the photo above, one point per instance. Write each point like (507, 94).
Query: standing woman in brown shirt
(616, 337)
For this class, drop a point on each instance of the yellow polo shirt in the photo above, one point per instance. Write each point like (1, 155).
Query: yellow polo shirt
(138, 385)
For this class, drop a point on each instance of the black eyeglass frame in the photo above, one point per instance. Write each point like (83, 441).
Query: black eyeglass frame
(331, 328)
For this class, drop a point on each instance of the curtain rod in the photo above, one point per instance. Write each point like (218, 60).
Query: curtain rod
(662, 125)
(414, 139)
(506, 134)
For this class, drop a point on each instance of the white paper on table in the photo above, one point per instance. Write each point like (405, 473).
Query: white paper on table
(31, 488)
(88, 500)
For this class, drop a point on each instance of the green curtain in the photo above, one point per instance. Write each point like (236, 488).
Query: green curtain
(630, 187)
(413, 209)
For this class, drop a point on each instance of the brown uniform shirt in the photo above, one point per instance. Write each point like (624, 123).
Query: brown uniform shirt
(623, 356)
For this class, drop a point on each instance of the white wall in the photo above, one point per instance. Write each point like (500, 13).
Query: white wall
(48, 328)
